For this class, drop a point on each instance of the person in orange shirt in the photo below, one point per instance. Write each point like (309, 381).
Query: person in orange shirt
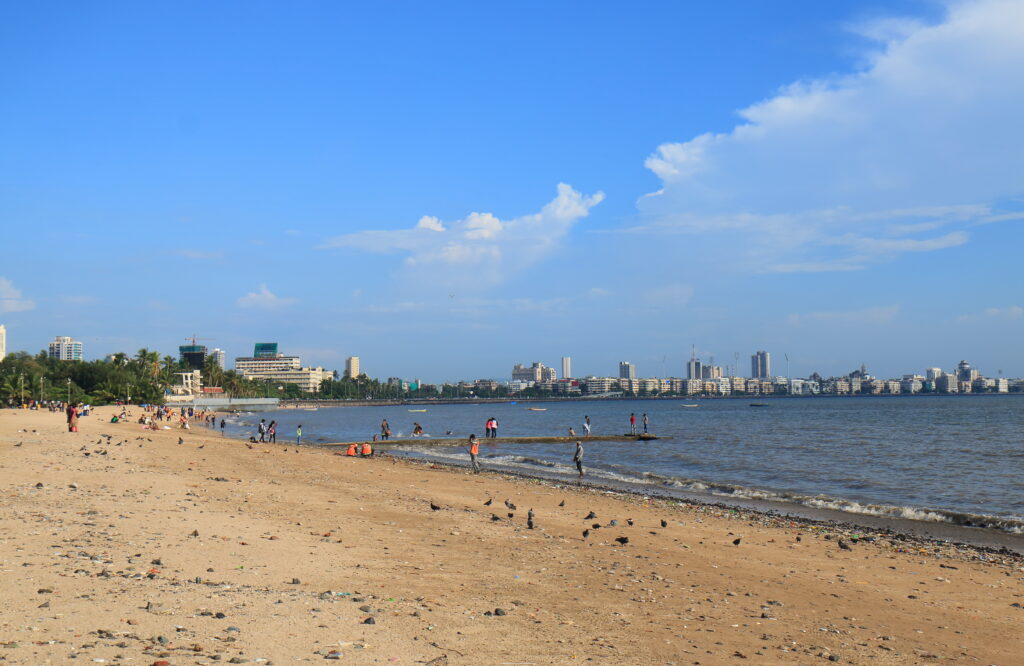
(474, 451)
(367, 450)
(351, 449)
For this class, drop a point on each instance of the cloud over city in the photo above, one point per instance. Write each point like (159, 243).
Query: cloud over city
(263, 299)
(11, 299)
(842, 172)
(480, 249)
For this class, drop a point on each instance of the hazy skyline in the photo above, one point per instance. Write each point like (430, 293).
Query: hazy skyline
(447, 190)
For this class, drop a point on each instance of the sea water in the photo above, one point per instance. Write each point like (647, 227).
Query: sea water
(955, 459)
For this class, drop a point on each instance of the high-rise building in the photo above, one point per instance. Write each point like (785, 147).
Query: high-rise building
(65, 349)
(566, 367)
(964, 372)
(761, 365)
(194, 356)
(352, 367)
(933, 374)
(3, 342)
(538, 372)
(693, 369)
(627, 370)
(264, 350)
(218, 357)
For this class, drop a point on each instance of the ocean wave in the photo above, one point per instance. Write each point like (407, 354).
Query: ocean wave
(704, 487)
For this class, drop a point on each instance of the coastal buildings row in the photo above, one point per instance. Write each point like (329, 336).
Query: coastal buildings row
(269, 365)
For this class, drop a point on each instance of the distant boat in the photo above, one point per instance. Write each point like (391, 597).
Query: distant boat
(758, 404)
(537, 409)
(689, 405)
(416, 410)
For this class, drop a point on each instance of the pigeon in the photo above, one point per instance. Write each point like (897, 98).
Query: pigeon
(181, 440)
(664, 523)
(488, 502)
(629, 521)
(434, 507)
(529, 519)
(844, 545)
(595, 526)
(495, 518)
(202, 446)
(590, 516)
(736, 541)
(510, 505)
(613, 523)
(622, 540)
(586, 533)
(511, 515)
(562, 503)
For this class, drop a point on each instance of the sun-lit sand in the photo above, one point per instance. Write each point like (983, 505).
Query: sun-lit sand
(135, 549)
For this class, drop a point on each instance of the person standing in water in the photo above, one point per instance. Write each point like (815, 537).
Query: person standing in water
(645, 423)
(586, 426)
(385, 430)
(632, 423)
(578, 457)
(474, 451)
(298, 435)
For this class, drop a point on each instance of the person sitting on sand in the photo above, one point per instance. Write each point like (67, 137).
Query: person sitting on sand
(351, 451)
(367, 451)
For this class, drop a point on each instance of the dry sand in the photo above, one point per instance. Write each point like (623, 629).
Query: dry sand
(135, 549)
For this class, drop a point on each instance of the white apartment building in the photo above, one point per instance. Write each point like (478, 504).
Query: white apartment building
(601, 384)
(352, 369)
(256, 365)
(566, 367)
(307, 379)
(65, 349)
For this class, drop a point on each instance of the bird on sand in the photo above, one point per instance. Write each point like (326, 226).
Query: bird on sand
(622, 540)
(510, 505)
(629, 521)
(488, 502)
(590, 516)
(736, 541)
(495, 518)
(434, 507)
(586, 533)
(664, 523)
(511, 515)
(844, 545)
(562, 503)
(529, 519)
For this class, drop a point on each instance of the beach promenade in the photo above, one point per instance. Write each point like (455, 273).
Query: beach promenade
(120, 544)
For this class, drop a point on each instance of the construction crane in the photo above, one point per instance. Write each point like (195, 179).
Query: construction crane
(194, 338)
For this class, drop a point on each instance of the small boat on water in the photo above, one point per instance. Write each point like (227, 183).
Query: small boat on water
(415, 410)
(537, 409)
(690, 406)
(758, 404)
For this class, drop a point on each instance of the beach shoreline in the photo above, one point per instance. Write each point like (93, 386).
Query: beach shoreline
(114, 543)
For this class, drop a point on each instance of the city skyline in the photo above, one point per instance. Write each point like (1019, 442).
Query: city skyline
(566, 199)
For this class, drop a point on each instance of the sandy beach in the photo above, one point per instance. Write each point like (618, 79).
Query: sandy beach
(120, 545)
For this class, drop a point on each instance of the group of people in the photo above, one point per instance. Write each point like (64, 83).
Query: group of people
(362, 451)
(268, 432)
(632, 423)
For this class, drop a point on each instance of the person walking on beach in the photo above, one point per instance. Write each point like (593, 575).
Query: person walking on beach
(262, 429)
(578, 457)
(72, 418)
(474, 451)
(272, 432)
(632, 423)
(586, 426)
(645, 423)
(298, 435)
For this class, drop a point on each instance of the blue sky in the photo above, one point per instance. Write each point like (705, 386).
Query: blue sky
(447, 189)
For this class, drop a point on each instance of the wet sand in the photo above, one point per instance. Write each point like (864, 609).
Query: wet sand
(215, 551)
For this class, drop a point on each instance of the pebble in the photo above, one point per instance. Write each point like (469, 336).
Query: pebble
(369, 620)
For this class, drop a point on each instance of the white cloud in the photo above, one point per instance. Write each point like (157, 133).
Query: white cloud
(876, 315)
(11, 299)
(263, 299)
(669, 296)
(924, 136)
(479, 250)
(1009, 312)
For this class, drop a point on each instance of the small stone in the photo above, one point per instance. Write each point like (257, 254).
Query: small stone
(369, 620)
(499, 611)
(161, 662)
(833, 657)
(220, 616)
(45, 604)
(365, 609)
(162, 640)
(44, 590)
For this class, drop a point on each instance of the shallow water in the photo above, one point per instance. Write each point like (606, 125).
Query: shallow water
(949, 459)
